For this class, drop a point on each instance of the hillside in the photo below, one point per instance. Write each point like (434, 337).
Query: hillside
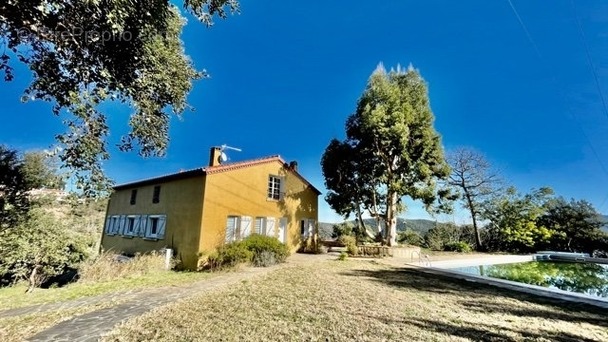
(420, 225)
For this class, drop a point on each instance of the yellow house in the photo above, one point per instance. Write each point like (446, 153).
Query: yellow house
(196, 211)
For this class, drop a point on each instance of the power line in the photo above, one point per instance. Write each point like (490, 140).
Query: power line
(589, 59)
(559, 89)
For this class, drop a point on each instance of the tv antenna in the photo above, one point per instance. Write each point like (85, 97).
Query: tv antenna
(223, 156)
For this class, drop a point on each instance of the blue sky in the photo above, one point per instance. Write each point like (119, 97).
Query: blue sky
(285, 75)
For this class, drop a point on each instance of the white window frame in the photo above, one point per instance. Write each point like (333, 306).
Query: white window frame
(276, 187)
(235, 229)
(262, 225)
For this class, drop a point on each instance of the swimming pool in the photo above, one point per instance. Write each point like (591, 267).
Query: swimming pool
(586, 278)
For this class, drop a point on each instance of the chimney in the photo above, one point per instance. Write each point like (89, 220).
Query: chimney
(293, 165)
(214, 156)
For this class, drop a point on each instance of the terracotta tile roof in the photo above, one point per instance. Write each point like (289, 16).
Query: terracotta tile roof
(211, 170)
(242, 164)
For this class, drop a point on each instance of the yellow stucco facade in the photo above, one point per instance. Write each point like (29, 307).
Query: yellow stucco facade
(196, 206)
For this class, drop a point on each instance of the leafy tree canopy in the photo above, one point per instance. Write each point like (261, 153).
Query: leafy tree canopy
(83, 53)
(41, 171)
(391, 148)
(14, 201)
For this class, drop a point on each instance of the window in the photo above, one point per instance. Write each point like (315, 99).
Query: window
(260, 225)
(274, 188)
(133, 196)
(155, 227)
(156, 195)
(112, 225)
(231, 228)
(307, 227)
(237, 228)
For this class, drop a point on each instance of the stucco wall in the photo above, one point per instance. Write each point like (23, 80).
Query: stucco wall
(180, 200)
(243, 192)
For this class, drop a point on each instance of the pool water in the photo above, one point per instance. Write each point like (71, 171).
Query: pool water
(587, 278)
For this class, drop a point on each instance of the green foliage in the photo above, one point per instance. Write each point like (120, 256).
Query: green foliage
(85, 53)
(410, 237)
(458, 246)
(443, 234)
(14, 201)
(514, 222)
(350, 242)
(343, 256)
(229, 256)
(586, 278)
(38, 248)
(575, 226)
(391, 151)
(341, 229)
(259, 244)
(260, 250)
(41, 171)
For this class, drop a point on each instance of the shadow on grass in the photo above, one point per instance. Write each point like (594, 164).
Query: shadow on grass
(469, 296)
(487, 332)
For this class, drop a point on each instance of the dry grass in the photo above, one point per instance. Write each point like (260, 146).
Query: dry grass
(106, 267)
(101, 276)
(364, 301)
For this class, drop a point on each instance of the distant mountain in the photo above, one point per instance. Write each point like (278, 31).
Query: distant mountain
(420, 225)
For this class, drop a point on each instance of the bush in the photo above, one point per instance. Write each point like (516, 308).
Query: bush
(260, 250)
(410, 237)
(258, 244)
(442, 234)
(343, 256)
(229, 256)
(459, 246)
(350, 242)
(341, 229)
(39, 248)
(264, 259)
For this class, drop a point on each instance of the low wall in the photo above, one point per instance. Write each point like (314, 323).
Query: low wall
(406, 252)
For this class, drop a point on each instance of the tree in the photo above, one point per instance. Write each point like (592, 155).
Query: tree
(392, 141)
(576, 225)
(351, 182)
(41, 171)
(84, 53)
(38, 248)
(14, 201)
(513, 220)
(473, 177)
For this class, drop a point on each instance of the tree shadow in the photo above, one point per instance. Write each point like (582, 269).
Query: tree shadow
(469, 295)
(485, 332)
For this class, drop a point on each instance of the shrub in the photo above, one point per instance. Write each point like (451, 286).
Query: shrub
(350, 242)
(264, 259)
(410, 237)
(341, 229)
(343, 256)
(442, 234)
(258, 244)
(39, 248)
(229, 256)
(459, 246)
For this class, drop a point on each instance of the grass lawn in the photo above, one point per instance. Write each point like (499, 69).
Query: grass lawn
(364, 301)
(15, 296)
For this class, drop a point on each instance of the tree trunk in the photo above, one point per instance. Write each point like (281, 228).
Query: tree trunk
(361, 225)
(473, 217)
(391, 219)
(32, 279)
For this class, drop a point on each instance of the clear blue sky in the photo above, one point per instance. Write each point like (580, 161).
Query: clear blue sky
(285, 75)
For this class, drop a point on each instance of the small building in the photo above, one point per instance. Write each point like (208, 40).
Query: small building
(193, 212)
